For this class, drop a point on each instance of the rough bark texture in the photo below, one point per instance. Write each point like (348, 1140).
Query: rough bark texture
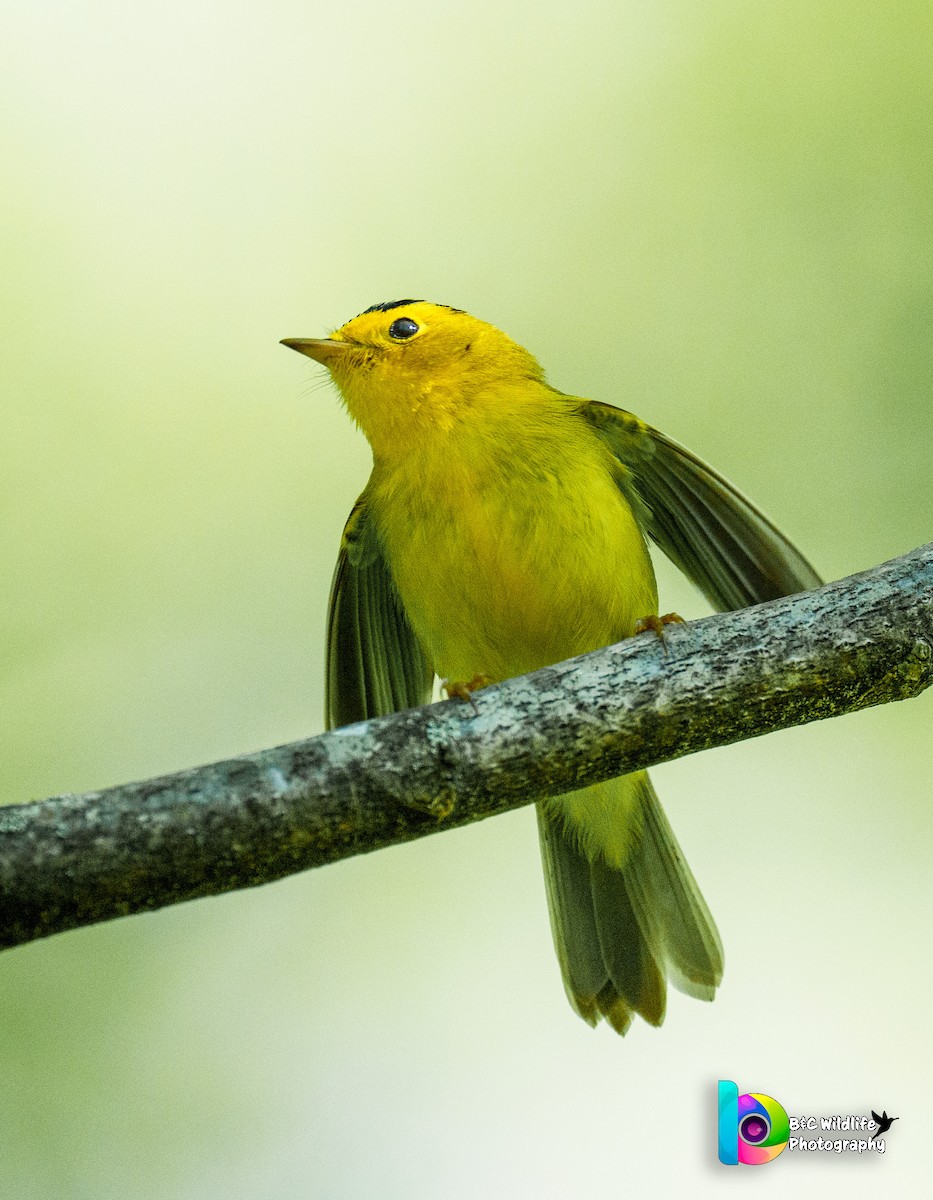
(76, 860)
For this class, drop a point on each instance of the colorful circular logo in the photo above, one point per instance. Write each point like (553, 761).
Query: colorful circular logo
(764, 1129)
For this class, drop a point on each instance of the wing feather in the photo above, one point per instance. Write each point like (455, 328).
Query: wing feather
(716, 536)
(375, 663)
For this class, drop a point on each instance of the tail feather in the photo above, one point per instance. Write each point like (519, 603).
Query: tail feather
(621, 928)
(573, 917)
(669, 904)
(631, 962)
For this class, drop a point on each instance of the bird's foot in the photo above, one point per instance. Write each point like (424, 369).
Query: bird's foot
(458, 689)
(655, 624)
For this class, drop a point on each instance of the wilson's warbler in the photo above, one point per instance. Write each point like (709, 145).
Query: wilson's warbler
(504, 528)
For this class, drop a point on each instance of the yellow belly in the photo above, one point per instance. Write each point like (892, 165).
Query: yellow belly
(505, 572)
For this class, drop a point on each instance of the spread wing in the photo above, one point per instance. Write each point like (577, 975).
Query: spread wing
(721, 542)
(375, 664)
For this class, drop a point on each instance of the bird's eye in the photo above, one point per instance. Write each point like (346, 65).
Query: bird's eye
(402, 328)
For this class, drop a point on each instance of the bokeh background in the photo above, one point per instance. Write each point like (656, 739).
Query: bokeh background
(717, 215)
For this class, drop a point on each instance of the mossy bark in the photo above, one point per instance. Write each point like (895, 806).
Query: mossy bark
(76, 860)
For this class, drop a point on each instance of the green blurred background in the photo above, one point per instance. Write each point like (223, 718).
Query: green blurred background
(718, 215)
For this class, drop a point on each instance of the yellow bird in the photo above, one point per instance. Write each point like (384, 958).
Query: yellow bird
(504, 528)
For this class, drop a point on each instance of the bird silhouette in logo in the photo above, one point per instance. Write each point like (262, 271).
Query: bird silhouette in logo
(884, 1123)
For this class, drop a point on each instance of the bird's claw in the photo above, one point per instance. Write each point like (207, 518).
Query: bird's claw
(655, 624)
(458, 689)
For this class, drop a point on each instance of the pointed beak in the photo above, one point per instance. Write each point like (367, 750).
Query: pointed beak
(322, 350)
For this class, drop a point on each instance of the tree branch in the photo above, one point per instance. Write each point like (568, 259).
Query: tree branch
(76, 860)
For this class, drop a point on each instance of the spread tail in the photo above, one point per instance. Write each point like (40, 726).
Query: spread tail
(621, 930)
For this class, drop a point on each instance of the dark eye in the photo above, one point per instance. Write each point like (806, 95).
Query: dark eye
(402, 328)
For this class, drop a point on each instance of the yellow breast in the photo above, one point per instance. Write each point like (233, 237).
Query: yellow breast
(515, 551)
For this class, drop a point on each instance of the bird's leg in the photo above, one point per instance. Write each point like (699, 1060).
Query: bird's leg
(655, 624)
(458, 689)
